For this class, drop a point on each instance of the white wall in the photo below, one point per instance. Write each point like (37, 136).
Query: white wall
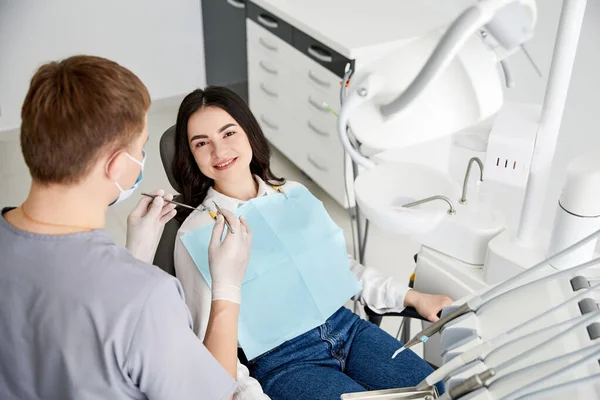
(159, 40)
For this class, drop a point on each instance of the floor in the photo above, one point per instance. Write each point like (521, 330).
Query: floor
(390, 254)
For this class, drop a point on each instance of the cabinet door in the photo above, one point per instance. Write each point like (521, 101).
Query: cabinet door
(224, 24)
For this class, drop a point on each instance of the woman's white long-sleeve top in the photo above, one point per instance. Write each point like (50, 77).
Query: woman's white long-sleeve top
(381, 293)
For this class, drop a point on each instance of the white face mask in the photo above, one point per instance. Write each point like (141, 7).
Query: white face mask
(124, 194)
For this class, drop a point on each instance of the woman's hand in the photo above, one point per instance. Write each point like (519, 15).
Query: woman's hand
(427, 305)
(228, 259)
(145, 224)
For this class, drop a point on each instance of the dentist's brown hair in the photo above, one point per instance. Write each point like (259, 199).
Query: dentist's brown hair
(75, 110)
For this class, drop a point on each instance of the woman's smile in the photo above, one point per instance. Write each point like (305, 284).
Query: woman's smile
(223, 165)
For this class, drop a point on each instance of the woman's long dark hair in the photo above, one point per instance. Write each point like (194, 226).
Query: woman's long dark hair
(194, 184)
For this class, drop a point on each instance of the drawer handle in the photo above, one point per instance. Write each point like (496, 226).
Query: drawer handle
(269, 70)
(268, 92)
(318, 81)
(317, 130)
(315, 164)
(269, 124)
(267, 45)
(237, 4)
(320, 54)
(316, 105)
(268, 21)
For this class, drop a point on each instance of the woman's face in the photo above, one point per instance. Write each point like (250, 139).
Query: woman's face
(219, 145)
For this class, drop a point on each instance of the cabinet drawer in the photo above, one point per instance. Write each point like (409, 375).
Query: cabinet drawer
(261, 39)
(324, 134)
(270, 22)
(273, 78)
(309, 72)
(315, 77)
(320, 53)
(320, 158)
(322, 126)
(272, 117)
(313, 115)
(316, 101)
(326, 169)
(324, 158)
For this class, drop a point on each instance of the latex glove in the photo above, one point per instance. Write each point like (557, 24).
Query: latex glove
(228, 258)
(427, 305)
(145, 225)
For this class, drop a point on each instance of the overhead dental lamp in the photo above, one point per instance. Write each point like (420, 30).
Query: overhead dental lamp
(438, 84)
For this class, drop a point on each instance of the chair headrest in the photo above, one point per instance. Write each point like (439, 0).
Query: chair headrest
(167, 152)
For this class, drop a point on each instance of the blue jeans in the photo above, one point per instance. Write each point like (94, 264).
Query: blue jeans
(346, 354)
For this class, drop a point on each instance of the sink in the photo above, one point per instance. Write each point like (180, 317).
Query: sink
(382, 191)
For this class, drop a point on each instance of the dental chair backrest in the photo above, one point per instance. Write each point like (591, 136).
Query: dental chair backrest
(167, 153)
(164, 252)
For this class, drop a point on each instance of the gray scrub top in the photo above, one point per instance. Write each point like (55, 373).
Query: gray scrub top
(81, 318)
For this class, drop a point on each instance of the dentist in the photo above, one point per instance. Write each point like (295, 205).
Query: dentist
(82, 318)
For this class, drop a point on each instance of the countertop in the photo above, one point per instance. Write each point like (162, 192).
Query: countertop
(357, 27)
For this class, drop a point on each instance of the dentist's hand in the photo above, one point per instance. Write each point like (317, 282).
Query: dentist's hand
(145, 225)
(427, 305)
(228, 259)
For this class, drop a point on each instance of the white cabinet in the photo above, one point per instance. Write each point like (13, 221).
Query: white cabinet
(290, 78)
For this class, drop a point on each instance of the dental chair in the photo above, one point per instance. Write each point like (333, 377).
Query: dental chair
(166, 246)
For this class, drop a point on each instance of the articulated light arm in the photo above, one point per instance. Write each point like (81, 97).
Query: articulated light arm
(471, 21)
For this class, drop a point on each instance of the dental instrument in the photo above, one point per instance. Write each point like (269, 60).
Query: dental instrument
(212, 214)
(178, 204)
(563, 387)
(219, 212)
(478, 301)
(493, 381)
(527, 389)
(489, 346)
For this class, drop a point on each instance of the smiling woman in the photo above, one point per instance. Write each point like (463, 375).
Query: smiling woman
(208, 156)
(292, 327)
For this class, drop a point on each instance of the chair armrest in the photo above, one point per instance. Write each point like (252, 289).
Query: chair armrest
(163, 257)
(242, 357)
(409, 312)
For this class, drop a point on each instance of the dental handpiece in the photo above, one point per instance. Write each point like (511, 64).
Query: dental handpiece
(434, 328)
